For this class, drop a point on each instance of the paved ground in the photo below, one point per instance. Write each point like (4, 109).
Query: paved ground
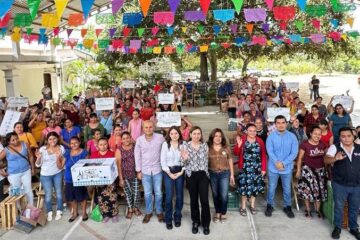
(278, 227)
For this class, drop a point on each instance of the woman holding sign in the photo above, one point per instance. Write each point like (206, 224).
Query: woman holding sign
(340, 118)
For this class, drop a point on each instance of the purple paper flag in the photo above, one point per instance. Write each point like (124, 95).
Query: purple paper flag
(112, 32)
(135, 44)
(317, 38)
(234, 28)
(255, 14)
(173, 5)
(194, 16)
(266, 27)
(116, 5)
(69, 31)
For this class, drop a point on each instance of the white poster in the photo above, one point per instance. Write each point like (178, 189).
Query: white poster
(346, 101)
(168, 119)
(104, 103)
(18, 102)
(293, 86)
(166, 98)
(128, 84)
(273, 112)
(10, 118)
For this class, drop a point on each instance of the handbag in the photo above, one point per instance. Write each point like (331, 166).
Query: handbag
(175, 169)
(96, 214)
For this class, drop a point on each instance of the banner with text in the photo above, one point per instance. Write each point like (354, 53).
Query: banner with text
(104, 103)
(168, 119)
(273, 112)
(10, 118)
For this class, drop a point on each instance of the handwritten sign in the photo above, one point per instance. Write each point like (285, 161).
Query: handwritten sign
(10, 118)
(293, 86)
(104, 103)
(166, 98)
(345, 101)
(273, 112)
(168, 119)
(127, 84)
(18, 102)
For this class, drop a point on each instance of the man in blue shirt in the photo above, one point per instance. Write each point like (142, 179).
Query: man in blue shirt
(282, 148)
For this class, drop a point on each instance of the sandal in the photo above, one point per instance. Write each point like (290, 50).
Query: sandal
(319, 214)
(216, 219)
(308, 214)
(137, 212)
(253, 210)
(129, 214)
(243, 212)
(223, 218)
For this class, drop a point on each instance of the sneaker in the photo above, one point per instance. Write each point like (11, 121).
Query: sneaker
(289, 212)
(336, 233)
(269, 210)
(58, 215)
(49, 217)
(355, 232)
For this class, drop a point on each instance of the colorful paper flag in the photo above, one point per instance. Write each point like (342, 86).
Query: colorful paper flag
(204, 48)
(155, 30)
(270, 4)
(86, 7)
(49, 20)
(174, 4)
(224, 15)
(132, 19)
(116, 5)
(250, 27)
(98, 31)
(5, 6)
(194, 16)
(5, 20)
(238, 5)
(112, 32)
(164, 18)
(75, 19)
(234, 28)
(145, 5)
(255, 14)
(69, 31)
(126, 31)
(350, 21)
(33, 6)
(302, 5)
(83, 32)
(284, 13)
(60, 7)
(299, 25)
(140, 31)
(316, 23)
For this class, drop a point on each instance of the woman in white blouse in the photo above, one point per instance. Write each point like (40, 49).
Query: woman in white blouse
(51, 160)
(173, 176)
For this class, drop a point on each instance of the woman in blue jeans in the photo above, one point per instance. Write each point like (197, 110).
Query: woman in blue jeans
(51, 160)
(173, 176)
(221, 172)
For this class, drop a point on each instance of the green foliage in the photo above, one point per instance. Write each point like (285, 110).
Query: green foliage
(72, 90)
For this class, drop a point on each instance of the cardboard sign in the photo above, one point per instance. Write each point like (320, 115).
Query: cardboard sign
(94, 172)
(273, 112)
(168, 119)
(127, 84)
(345, 101)
(18, 102)
(10, 118)
(104, 103)
(166, 98)
(293, 86)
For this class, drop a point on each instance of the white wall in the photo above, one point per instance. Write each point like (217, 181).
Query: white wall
(29, 82)
(2, 84)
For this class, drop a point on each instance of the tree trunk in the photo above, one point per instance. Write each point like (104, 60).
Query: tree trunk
(245, 65)
(213, 65)
(204, 75)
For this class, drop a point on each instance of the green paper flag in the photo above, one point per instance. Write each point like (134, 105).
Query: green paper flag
(214, 45)
(201, 29)
(140, 31)
(149, 50)
(334, 4)
(299, 25)
(33, 6)
(180, 50)
(222, 37)
(22, 20)
(103, 43)
(238, 5)
(316, 10)
(56, 41)
(353, 34)
(29, 31)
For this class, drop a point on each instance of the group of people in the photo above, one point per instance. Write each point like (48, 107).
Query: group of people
(164, 160)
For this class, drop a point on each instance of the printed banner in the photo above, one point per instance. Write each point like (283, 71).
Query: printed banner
(273, 112)
(168, 119)
(7, 124)
(104, 103)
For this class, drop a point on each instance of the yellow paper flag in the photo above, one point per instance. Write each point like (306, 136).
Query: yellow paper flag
(204, 48)
(184, 29)
(88, 43)
(350, 21)
(344, 36)
(268, 42)
(157, 50)
(49, 20)
(16, 36)
(60, 7)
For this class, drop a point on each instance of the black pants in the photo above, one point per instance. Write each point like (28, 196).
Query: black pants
(2, 195)
(198, 184)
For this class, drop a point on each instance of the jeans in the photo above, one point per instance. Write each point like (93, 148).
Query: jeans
(286, 185)
(169, 191)
(220, 186)
(23, 180)
(198, 184)
(316, 94)
(153, 183)
(49, 183)
(352, 196)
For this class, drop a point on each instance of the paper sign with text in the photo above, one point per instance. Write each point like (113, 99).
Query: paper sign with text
(104, 103)
(166, 98)
(346, 101)
(18, 102)
(273, 112)
(168, 119)
(128, 84)
(293, 86)
(10, 118)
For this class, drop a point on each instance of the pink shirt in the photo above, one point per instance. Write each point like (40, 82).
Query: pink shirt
(48, 130)
(136, 128)
(91, 146)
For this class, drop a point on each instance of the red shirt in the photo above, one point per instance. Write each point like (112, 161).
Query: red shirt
(310, 121)
(326, 138)
(108, 154)
(146, 113)
(73, 116)
(314, 154)
(157, 88)
(129, 111)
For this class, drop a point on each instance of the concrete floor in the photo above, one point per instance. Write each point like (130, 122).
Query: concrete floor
(278, 227)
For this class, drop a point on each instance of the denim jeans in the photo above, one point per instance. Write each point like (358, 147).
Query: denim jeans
(286, 185)
(352, 196)
(316, 94)
(152, 183)
(49, 183)
(220, 185)
(169, 191)
(23, 180)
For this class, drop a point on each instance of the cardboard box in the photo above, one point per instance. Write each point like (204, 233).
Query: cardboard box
(41, 220)
(94, 172)
(23, 227)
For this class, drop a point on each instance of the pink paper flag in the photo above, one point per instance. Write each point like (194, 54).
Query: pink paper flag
(270, 4)
(261, 40)
(317, 38)
(164, 18)
(234, 28)
(316, 23)
(155, 30)
(135, 44)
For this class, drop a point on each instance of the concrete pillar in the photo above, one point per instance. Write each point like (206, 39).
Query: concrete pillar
(9, 83)
(16, 49)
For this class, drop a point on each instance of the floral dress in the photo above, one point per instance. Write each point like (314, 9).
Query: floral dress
(251, 182)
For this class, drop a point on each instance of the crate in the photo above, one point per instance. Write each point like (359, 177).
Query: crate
(9, 210)
(233, 200)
